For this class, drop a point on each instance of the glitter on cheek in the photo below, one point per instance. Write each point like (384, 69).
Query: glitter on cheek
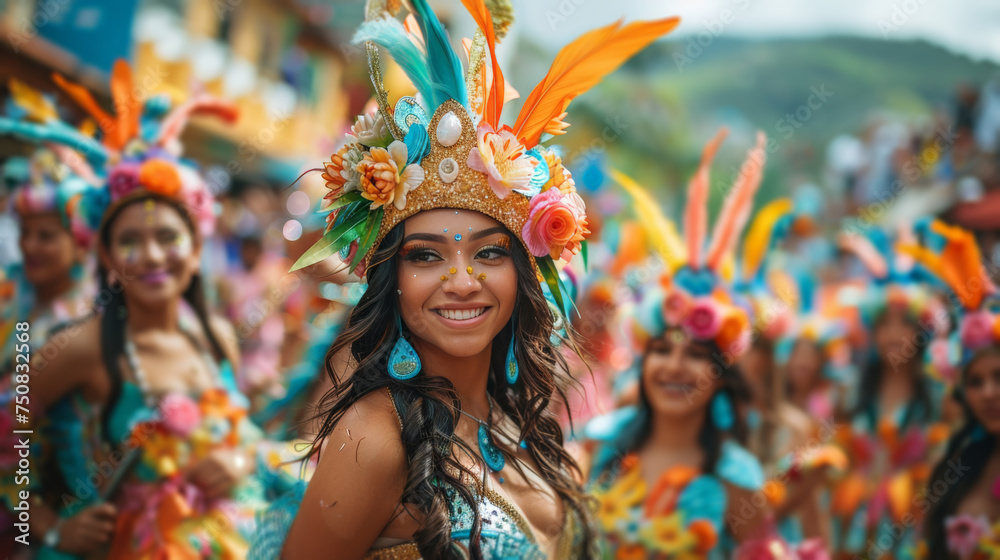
(181, 246)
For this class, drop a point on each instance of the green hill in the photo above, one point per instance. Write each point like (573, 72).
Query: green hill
(673, 98)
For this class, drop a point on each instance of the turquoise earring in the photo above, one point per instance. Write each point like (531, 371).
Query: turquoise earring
(721, 410)
(404, 363)
(511, 368)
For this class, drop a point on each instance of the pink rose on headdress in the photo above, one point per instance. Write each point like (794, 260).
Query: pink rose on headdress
(123, 179)
(964, 532)
(675, 307)
(181, 415)
(579, 207)
(198, 200)
(976, 330)
(551, 224)
(704, 319)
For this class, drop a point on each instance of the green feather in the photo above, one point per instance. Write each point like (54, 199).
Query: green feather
(341, 201)
(551, 276)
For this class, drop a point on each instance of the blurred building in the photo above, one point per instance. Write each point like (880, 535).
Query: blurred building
(281, 61)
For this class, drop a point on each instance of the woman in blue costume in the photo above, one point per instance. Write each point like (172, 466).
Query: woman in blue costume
(148, 429)
(962, 498)
(890, 425)
(670, 475)
(437, 440)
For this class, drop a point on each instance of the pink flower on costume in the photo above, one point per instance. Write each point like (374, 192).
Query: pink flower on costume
(976, 330)
(704, 320)
(941, 358)
(123, 179)
(811, 549)
(964, 532)
(181, 415)
(675, 307)
(551, 224)
(501, 157)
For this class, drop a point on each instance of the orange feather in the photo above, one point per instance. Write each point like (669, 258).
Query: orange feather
(736, 209)
(86, 102)
(696, 211)
(961, 261)
(579, 66)
(495, 96)
(127, 106)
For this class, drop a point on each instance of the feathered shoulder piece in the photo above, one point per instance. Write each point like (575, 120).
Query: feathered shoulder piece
(447, 148)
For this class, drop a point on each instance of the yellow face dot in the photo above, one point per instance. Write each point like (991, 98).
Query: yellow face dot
(482, 276)
(443, 277)
(452, 270)
(468, 269)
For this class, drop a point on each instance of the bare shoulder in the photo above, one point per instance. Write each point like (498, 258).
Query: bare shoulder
(801, 424)
(76, 344)
(358, 483)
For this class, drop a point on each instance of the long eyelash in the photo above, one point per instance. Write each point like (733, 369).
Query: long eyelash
(504, 251)
(410, 249)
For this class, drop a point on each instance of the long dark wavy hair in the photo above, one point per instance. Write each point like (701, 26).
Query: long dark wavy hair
(113, 310)
(921, 406)
(710, 437)
(962, 449)
(428, 405)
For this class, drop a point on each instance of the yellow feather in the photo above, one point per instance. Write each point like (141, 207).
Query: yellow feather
(661, 231)
(758, 239)
(31, 100)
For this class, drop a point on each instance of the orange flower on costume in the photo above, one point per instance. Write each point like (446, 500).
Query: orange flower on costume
(704, 534)
(159, 176)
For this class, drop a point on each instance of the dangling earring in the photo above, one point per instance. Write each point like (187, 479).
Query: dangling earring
(722, 411)
(404, 363)
(511, 368)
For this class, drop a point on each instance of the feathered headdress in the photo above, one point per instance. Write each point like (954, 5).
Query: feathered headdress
(958, 264)
(139, 152)
(446, 148)
(896, 278)
(696, 291)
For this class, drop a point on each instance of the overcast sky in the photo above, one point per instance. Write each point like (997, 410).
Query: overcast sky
(968, 26)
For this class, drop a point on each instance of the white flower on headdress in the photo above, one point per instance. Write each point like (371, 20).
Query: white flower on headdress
(385, 177)
(370, 130)
(501, 157)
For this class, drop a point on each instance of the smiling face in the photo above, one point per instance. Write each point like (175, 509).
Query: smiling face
(679, 377)
(457, 281)
(151, 248)
(48, 248)
(982, 390)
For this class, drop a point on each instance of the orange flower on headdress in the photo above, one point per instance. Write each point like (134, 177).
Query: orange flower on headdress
(160, 176)
(385, 176)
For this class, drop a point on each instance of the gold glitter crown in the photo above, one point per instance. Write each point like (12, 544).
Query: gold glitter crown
(449, 182)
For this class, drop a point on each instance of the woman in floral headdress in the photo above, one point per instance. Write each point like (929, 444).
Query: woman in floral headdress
(445, 409)
(890, 426)
(670, 474)
(149, 431)
(963, 492)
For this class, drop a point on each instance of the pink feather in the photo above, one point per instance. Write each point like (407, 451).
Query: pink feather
(696, 212)
(70, 158)
(863, 249)
(736, 208)
(174, 123)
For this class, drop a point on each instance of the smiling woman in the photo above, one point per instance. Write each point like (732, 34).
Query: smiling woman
(453, 219)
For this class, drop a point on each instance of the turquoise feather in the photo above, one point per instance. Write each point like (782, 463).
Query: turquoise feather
(391, 36)
(447, 77)
(58, 133)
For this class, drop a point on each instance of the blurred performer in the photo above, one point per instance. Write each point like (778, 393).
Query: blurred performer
(670, 474)
(963, 493)
(149, 430)
(445, 410)
(890, 425)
